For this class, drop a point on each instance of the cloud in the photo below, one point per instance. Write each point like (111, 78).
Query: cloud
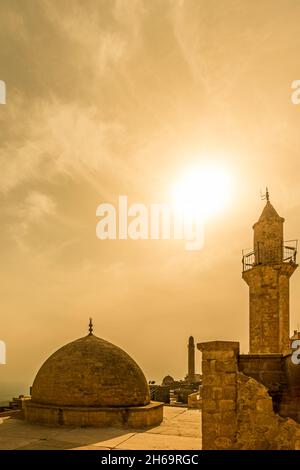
(33, 211)
(58, 139)
(109, 31)
(37, 205)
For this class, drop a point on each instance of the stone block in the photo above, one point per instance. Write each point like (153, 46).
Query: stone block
(228, 417)
(213, 380)
(205, 367)
(229, 379)
(219, 355)
(297, 445)
(216, 418)
(261, 443)
(265, 419)
(212, 366)
(227, 405)
(208, 418)
(215, 349)
(226, 366)
(229, 392)
(223, 443)
(261, 429)
(207, 392)
(226, 430)
(264, 405)
(210, 405)
(217, 393)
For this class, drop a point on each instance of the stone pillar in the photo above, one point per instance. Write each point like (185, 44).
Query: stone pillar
(219, 394)
(191, 360)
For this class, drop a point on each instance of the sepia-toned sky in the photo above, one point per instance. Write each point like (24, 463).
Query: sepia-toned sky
(120, 97)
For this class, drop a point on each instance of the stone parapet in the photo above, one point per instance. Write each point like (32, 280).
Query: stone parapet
(133, 417)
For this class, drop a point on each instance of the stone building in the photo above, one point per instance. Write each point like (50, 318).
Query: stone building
(91, 382)
(180, 389)
(252, 401)
(167, 381)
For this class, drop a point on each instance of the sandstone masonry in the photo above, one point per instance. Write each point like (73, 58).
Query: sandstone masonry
(237, 411)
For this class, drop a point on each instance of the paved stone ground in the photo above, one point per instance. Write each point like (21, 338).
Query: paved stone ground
(180, 430)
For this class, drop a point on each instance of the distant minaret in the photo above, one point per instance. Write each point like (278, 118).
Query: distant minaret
(191, 360)
(91, 327)
(267, 270)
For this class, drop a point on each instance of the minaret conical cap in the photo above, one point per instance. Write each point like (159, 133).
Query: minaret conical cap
(269, 213)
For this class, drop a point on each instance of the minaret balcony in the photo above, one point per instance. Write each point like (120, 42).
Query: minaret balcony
(286, 253)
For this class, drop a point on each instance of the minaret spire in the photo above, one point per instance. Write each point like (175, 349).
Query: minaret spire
(91, 326)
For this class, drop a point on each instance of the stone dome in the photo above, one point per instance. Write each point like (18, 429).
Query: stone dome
(168, 380)
(90, 372)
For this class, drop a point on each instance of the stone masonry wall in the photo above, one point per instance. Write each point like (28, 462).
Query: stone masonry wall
(219, 394)
(258, 427)
(237, 411)
(269, 370)
(269, 307)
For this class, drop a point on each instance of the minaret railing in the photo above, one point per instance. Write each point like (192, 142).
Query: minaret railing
(285, 253)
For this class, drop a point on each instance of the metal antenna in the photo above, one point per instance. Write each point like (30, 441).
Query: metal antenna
(266, 196)
(91, 327)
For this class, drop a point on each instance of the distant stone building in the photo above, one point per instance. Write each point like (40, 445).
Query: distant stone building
(248, 400)
(167, 381)
(91, 382)
(180, 390)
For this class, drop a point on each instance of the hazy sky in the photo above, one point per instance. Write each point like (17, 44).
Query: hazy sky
(110, 97)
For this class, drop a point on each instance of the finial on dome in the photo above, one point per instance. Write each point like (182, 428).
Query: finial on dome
(91, 326)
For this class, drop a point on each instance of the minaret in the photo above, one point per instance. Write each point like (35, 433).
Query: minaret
(267, 270)
(191, 360)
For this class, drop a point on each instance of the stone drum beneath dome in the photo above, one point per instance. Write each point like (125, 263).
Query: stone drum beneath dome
(91, 382)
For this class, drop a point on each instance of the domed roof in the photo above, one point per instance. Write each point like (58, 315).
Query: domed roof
(167, 380)
(90, 372)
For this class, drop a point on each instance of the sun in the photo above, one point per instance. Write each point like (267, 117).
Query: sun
(203, 191)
